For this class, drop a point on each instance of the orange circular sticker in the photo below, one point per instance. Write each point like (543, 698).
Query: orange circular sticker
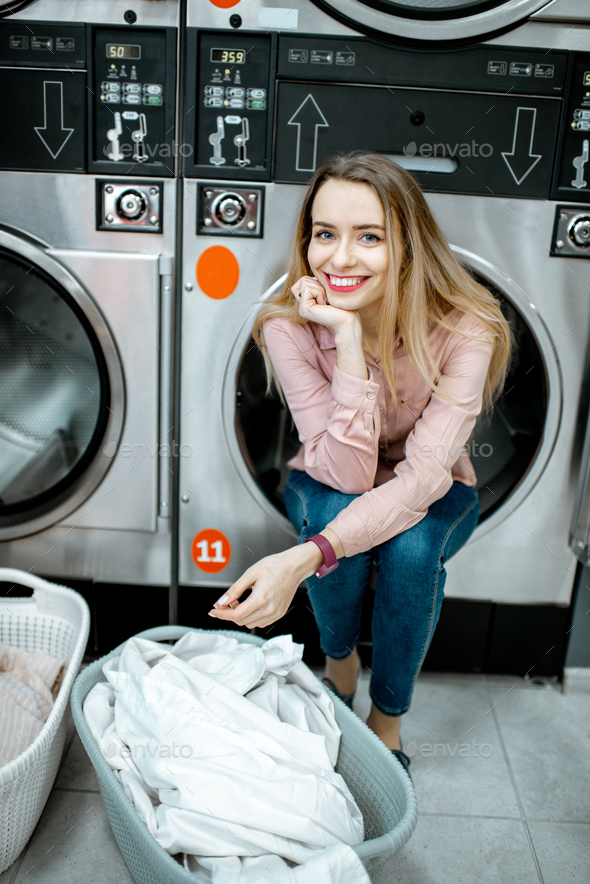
(224, 4)
(211, 550)
(218, 272)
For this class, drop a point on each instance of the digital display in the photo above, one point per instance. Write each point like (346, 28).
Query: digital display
(228, 56)
(123, 50)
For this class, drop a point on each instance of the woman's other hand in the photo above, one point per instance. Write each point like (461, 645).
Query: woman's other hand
(274, 581)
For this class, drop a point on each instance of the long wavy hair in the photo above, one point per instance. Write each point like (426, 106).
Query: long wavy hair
(431, 281)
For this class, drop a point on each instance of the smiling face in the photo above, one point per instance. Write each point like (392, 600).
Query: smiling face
(348, 249)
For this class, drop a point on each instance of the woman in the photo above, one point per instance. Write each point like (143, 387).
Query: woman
(386, 351)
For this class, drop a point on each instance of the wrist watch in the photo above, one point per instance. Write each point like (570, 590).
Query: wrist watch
(327, 550)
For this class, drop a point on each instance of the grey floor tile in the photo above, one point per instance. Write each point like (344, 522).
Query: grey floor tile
(451, 850)
(547, 740)
(76, 771)
(73, 841)
(458, 764)
(563, 850)
(515, 681)
(453, 677)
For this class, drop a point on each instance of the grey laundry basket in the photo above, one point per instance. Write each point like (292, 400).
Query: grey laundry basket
(378, 782)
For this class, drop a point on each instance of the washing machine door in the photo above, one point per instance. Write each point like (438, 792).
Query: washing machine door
(432, 20)
(61, 389)
(510, 445)
(9, 7)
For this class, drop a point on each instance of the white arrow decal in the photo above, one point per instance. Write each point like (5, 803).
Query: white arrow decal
(52, 131)
(307, 114)
(519, 159)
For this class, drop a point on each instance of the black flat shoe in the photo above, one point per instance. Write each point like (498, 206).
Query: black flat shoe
(346, 698)
(403, 760)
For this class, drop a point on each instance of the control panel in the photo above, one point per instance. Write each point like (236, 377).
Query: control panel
(229, 103)
(133, 104)
(572, 181)
(84, 98)
(484, 120)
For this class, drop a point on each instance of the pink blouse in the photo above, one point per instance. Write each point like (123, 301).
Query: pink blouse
(400, 461)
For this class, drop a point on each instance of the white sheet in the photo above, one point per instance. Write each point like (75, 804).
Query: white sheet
(243, 786)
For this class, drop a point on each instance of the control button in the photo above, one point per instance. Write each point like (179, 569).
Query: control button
(582, 125)
(322, 56)
(111, 97)
(579, 232)
(256, 104)
(42, 43)
(298, 56)
(233, 120)
(256, 93)
(235, 102)
(19, 42)
(131, 205)
(156, 89)
(520, 69)
(213, 102)
(130, 115)
(497, 67)
(152, 99)
(65, 44)
(132, 99)
(132, 88)
(581, 114)
(214, 90)
(109, 86)
(234, 91)
(231, 209)
(370, 395)
(544, 70)
(345, 58)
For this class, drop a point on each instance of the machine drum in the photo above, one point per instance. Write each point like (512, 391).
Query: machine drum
(53, 388)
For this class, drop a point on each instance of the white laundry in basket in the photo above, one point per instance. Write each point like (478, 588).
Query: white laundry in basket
(243, 785)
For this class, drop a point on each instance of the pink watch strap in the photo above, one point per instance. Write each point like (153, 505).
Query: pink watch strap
(330, 560)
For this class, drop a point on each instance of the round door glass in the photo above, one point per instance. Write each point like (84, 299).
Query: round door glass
(433, 9)
(54, 395)
(502, 448)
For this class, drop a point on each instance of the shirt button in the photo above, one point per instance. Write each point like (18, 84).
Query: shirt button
(380, 411)
(403, 401)
(370, 395)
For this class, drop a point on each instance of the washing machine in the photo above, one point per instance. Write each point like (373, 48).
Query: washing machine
(488, 105)
(87, 246)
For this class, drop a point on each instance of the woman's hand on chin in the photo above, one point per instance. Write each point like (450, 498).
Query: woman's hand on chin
(313, 304)
(274, 581)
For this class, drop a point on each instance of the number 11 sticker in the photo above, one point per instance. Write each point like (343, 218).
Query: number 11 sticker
(211, 550)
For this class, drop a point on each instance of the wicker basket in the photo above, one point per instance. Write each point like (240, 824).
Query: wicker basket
(378, 782)
(55, 620)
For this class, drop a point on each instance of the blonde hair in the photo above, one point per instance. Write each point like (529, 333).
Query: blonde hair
(430, 284)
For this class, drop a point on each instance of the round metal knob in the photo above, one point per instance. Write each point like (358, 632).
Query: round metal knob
(230, 208)
(579, 232)
(132, 205)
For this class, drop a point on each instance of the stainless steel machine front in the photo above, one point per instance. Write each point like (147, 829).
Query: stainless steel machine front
(511, 195)
(87, 247)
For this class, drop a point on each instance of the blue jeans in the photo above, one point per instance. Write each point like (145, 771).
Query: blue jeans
(409, 587)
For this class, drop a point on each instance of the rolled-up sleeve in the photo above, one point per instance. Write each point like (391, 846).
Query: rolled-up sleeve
(432, 447)
(337, 421)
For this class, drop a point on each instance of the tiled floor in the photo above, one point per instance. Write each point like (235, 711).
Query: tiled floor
(500, 768)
